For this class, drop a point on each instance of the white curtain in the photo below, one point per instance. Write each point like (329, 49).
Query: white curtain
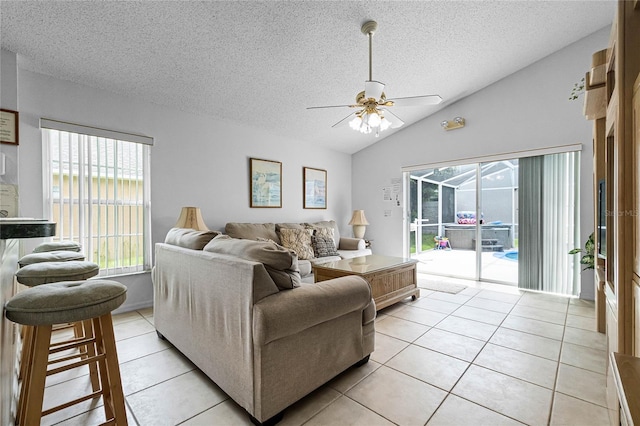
(549, 223)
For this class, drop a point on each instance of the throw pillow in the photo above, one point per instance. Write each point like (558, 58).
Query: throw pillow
(298, 240)
(189, 238)
(280, 263)
(323, 246)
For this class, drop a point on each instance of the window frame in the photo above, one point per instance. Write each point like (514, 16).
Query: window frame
(48, 202)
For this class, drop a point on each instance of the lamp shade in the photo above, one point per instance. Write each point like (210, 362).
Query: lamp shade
(358, 218)
(191, 217)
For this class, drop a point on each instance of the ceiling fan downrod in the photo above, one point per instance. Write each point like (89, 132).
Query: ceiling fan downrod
(369, 28)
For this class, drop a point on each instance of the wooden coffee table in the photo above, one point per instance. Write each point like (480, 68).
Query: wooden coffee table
(392, 279)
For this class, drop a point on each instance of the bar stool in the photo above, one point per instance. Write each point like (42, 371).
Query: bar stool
(89, 302)
(37, 270)
(57, 245)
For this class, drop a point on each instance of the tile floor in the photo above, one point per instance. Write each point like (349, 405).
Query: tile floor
(489, 355)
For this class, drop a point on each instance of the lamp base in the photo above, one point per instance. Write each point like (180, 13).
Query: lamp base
(358, 230)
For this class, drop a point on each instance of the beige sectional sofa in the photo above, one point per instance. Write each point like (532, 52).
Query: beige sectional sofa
(347, 248)
(267, 343)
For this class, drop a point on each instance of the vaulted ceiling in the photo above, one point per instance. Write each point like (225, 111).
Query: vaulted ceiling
(262, 63)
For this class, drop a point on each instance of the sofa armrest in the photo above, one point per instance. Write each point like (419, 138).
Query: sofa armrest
(351, 244)
(292, 311)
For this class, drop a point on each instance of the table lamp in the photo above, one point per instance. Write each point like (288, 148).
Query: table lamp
(191, 217)
(359, 223)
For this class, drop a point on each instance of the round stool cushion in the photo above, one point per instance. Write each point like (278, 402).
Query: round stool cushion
(50, 256)
(57, 245)
(53, 272)
(64, 302)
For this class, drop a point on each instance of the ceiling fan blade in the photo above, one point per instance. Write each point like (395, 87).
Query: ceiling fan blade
(345, 120)
(417, 100)
(335, 106)
(373, 89)
(394, 119)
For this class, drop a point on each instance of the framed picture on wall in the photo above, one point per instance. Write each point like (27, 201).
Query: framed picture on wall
(9, 126)
(265, 183)
(315, 188)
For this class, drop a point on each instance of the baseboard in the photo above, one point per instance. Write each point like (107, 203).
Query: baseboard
(133, 306)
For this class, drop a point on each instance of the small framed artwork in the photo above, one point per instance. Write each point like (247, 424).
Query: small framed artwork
(266, 183)
(8, 126)
(315, 188)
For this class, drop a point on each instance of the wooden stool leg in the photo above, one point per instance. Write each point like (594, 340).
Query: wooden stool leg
(24, 352)
(37, 375)
(26, 359)
(91, 352)
(115, 395)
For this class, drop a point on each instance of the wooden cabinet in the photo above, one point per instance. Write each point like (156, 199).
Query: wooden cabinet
(617, 160)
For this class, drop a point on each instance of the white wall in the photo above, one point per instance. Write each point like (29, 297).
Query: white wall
(9, 100)
(526, 110)
(196, 161)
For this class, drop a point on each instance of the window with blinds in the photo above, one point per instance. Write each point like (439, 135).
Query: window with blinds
(97, 191)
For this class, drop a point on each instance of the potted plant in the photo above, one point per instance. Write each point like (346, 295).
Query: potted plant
(588, 257)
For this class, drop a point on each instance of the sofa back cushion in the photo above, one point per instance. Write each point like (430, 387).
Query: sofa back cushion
(189, 238)
(280, 263)
(252, 231)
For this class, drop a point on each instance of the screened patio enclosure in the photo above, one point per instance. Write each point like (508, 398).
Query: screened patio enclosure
(464, 220)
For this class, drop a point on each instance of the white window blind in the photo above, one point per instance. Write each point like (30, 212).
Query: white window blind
(97, 191)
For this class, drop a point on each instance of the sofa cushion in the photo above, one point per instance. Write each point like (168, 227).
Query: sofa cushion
(189, 238)
(252, 231)
(280, 263)
(328, 224)
(323, 246)
(298, 240)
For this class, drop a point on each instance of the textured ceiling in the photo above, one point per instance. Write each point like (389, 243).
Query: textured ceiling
(263, 63)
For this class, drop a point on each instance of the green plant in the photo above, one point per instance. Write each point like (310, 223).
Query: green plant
(578, 89)
(588, 259)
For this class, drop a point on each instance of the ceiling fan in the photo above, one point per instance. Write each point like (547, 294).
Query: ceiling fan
(373, 114)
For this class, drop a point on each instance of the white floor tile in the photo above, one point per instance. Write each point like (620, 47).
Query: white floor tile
(511, 397)
(309, 406)
(569, 411)
(583, 357)
(398, 397)
(591, 339)
(448, 297)
(526, 342)
(139, 346)
(539, 314)
(145, 372)
(227, 413)
(583, 311)
(400, 329)
(432, 367)
(584, 323)
(436, 305)
(132, 328)
(490, 305)
(532, 326)
(479, 314)
(421, 316)
(539, 371)
(582, 384)
(456, 411)
(469, 328)
(175, 400)
(345, 411)
(387, 347)
(452, 344)
(498, 296)
(353, 376)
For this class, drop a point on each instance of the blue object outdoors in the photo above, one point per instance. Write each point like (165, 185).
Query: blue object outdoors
(511, 255)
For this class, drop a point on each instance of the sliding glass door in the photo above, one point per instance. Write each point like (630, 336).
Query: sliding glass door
(508, 221)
